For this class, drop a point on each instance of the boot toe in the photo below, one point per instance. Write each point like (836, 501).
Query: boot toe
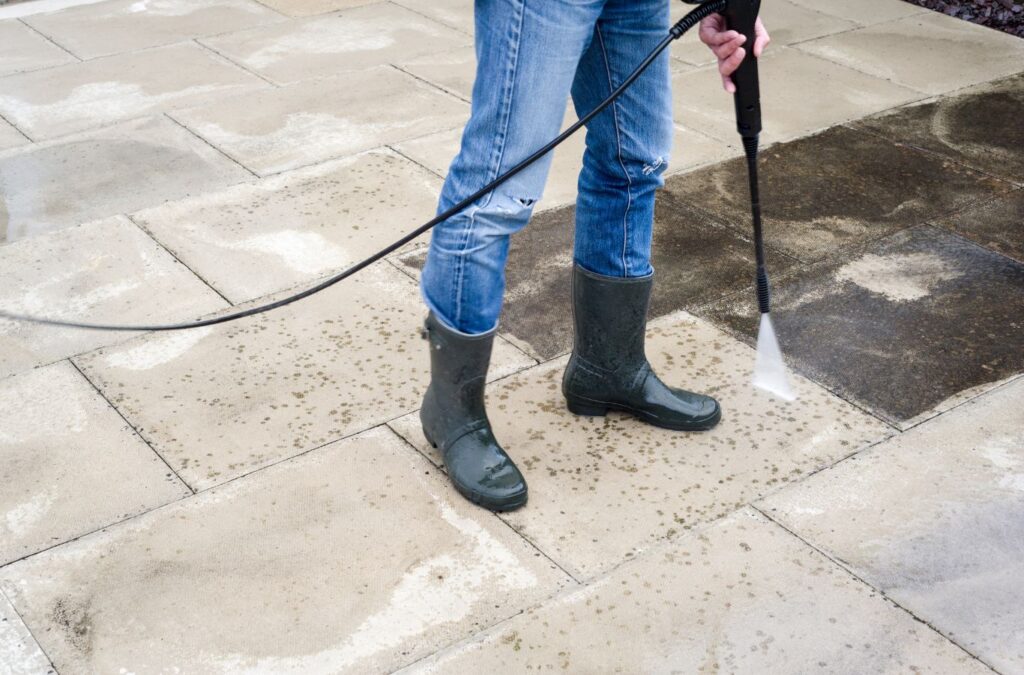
(483, 473)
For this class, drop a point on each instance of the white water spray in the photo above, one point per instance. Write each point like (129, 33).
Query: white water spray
(769, 366)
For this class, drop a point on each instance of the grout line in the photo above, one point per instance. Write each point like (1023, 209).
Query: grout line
(275, 10)
(398, 3)
(224, 154)
(392, 148)
(49, 39)
(849, 570)
(430, 84)
(132, 427)
(229, 60)
(181, 262)
(18, 129)
(53, 669)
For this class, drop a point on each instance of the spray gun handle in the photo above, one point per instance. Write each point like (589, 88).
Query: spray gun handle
(740, 16)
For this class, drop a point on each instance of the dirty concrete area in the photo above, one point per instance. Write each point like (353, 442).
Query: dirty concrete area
(258, 496)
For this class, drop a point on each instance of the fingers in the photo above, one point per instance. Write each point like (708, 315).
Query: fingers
(728, 84)
(727, 49)
(728, 66)
(762, 38)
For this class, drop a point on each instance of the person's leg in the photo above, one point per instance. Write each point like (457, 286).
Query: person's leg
(527, 56)
(527, 53)
(628, 149)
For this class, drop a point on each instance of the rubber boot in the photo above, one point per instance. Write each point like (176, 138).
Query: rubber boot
(455, 421)
(608, 369)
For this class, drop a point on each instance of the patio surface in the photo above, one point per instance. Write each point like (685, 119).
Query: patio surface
(257, 497)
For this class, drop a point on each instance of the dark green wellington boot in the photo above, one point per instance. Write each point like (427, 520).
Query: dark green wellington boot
(454, 419)
(608, 369)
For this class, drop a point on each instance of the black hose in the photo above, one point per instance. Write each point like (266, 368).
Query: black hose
(676, 32)
(763, 291)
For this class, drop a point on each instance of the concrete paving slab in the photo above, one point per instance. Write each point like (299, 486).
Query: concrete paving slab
(117, 26)
(252, 240)
(742, 596)
(22, 49)
(107, 270)
(842, 188)
(102, 91)
(71, 464)
(222, 401)
(979, 127)
(19, 652)
(864, 12)
(10, 137)
(800, 94)
(891, 327)
(787, 22)
(48, 186)
(314, 7)
(349, 40)
(696, 260)
(929, 52)
(935, 519)
(996, 225)
(353, 558)
(453, 70)
(602, 489)
(309, 122)
(455, 13)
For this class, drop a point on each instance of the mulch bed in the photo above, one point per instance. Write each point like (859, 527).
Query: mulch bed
(1004, 15)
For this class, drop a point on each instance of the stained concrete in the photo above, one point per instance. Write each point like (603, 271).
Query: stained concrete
(285, 573)
(348, 40)
(309, 122)
(22, 49)
(864, 12)
(742, 596)
(928, 52)
(251, 240)
(980, 128)
(602, 489)
(787, 22)
(934, 518)
(19, 652)
(102, 91)
(104, 271)
(997, 225)
(841, 188)
(696, 260)
(71, 464)
(48, 186)
(222, 401)
(117, 26)
(901, 326)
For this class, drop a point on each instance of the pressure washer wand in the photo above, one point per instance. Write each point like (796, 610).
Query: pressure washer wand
(769, 367)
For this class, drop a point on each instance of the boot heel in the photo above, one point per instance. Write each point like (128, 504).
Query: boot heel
(586, 409)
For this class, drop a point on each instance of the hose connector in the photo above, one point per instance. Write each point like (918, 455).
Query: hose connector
(764, 296)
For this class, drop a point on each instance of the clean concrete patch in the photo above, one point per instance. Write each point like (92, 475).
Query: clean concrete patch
(95, 93)
(935, 519)
(742, 596)
(864, 12)
(19, 652)
(48, 186)
(22, 49)
(104, 271)
(222, 401)
(349, 40)
(309, 122)
(602, 489)
(251, 240)
(353, 558)
(117, 26)
(10, 137)
(314, 7)
(71, 464)
(455, 13)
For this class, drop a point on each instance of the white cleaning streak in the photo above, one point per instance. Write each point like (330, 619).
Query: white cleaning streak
(157, 351)
(326, 36)
(21, 517)
(769, 366)
(998, 451)
(305, 252)
(899, 278)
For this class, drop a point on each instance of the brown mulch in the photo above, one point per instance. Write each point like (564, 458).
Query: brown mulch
(1004, 15)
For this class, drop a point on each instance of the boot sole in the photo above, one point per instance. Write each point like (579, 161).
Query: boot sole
(588, 408)
(508, 504)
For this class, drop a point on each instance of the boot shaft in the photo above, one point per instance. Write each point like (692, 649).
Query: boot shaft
(610, 319)
(458, 374)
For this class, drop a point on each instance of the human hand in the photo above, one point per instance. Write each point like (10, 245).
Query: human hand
(727, 45)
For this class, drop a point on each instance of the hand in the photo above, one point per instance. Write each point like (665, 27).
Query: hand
(728, 46)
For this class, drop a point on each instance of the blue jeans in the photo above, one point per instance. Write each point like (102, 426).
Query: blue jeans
(531, 55)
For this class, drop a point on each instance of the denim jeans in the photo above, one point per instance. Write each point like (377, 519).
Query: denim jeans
(531, 56)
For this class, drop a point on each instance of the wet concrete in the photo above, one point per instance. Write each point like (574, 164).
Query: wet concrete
(902, 326)
(997, 225)
(981, 127)
(838, 189)
(696, 260)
